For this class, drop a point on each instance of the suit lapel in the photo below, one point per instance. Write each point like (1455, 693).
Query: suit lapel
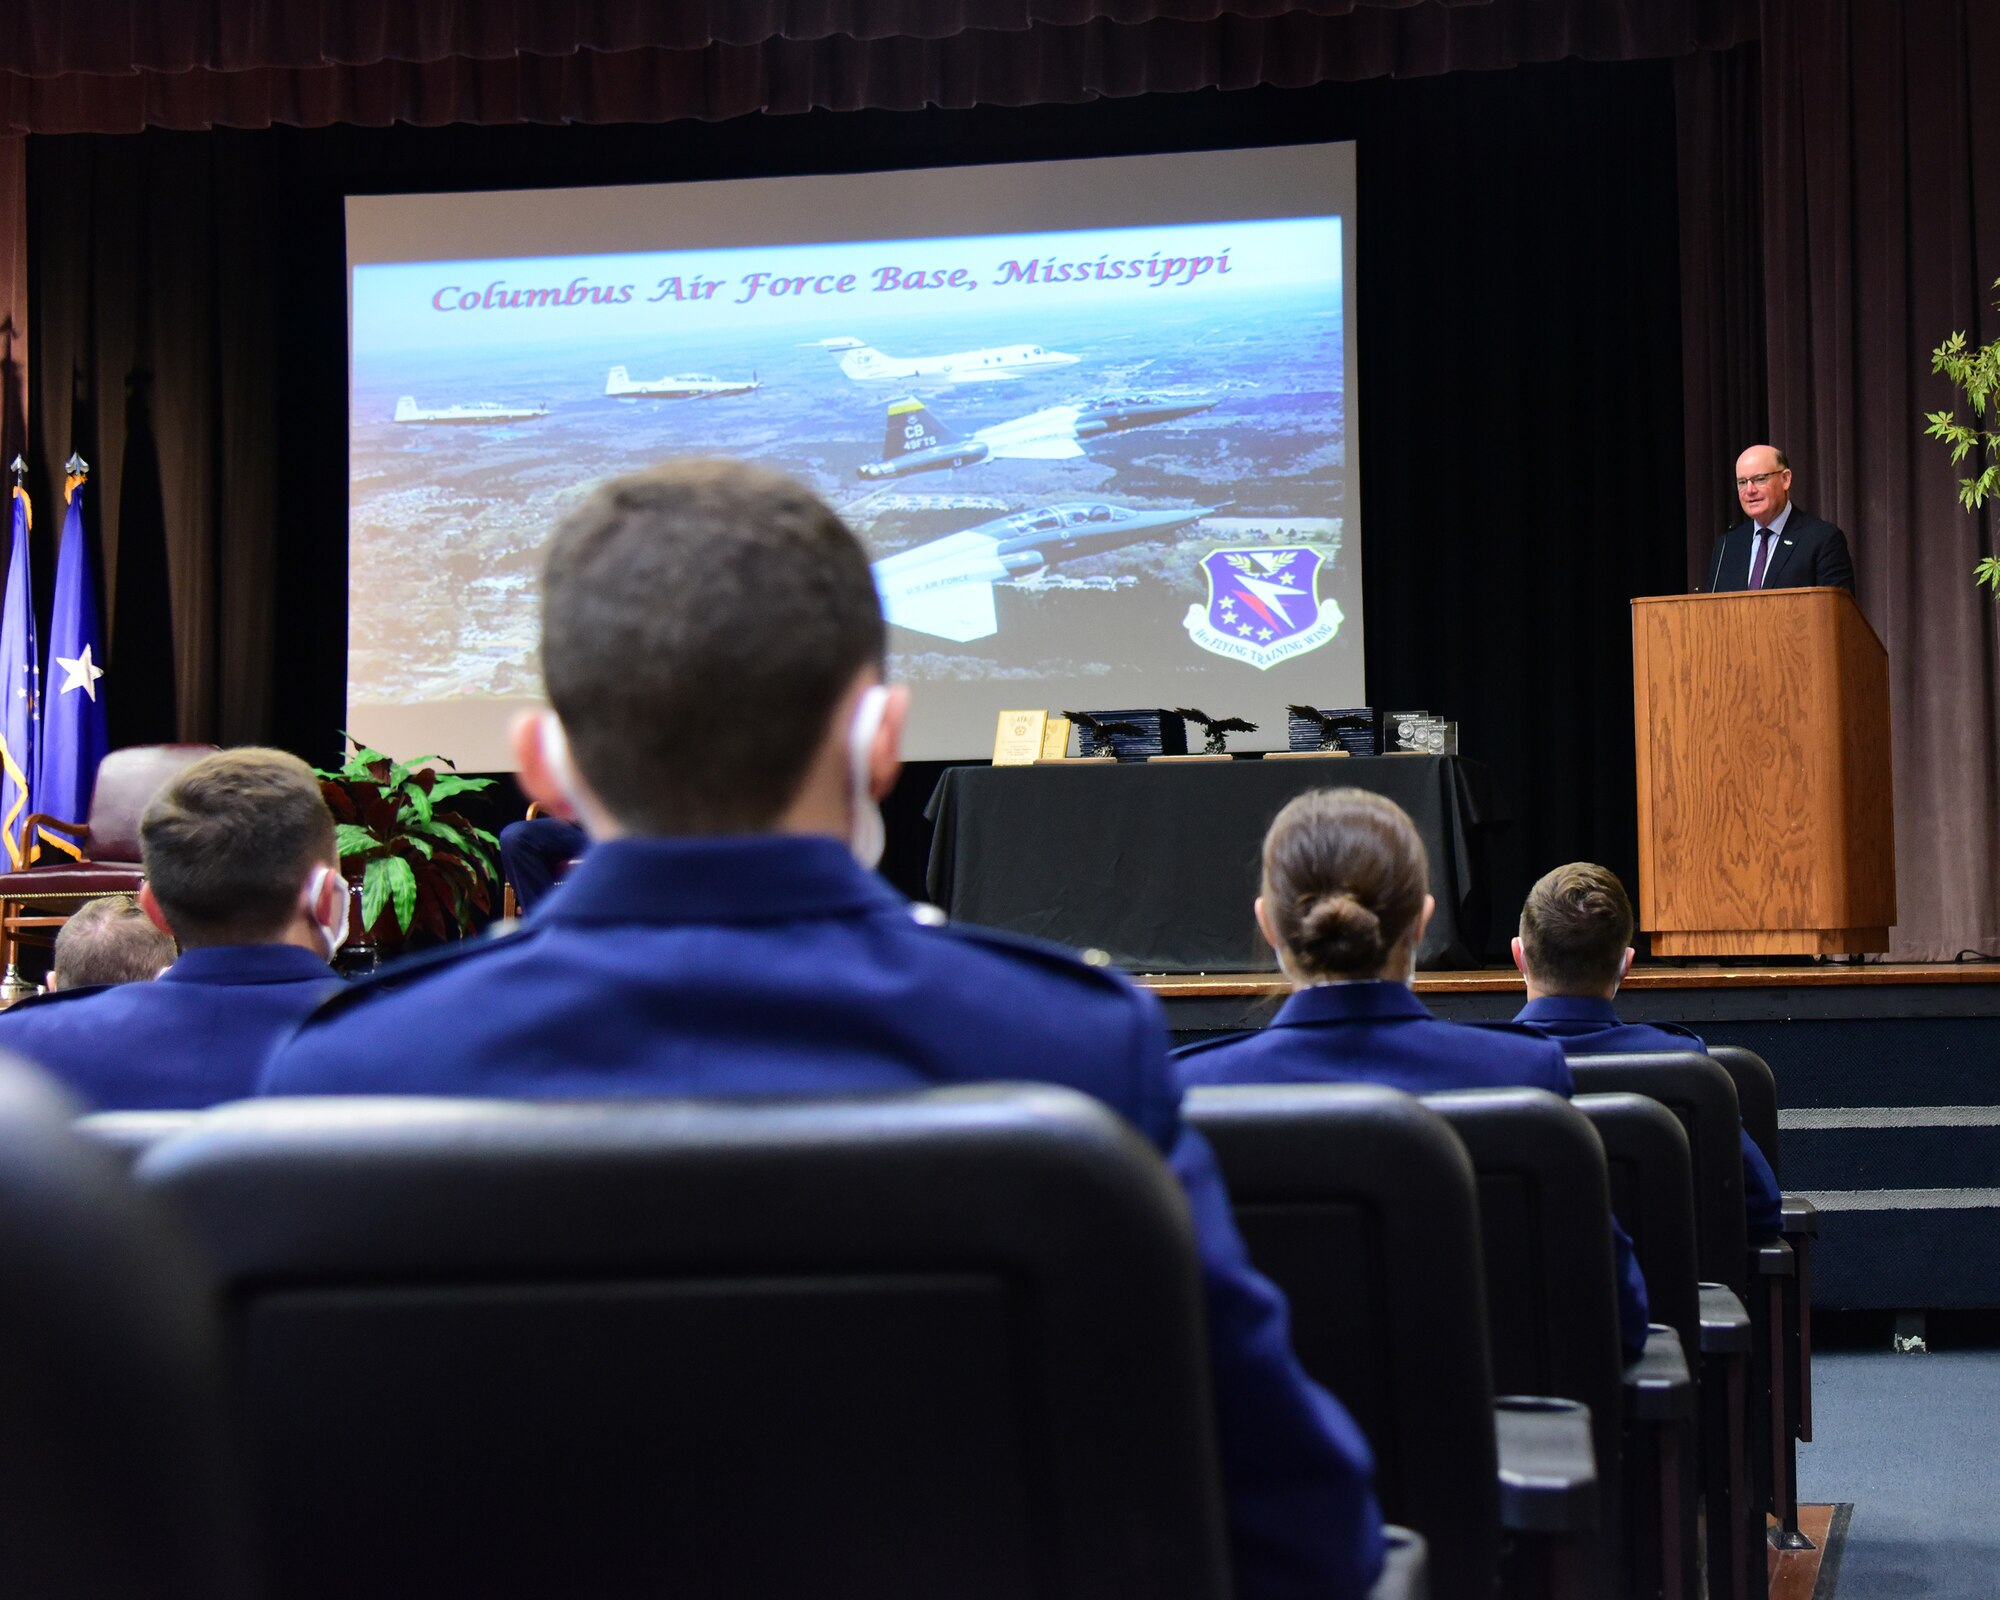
(1781, 556)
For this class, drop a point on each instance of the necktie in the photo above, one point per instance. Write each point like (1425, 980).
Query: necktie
(1765, 539)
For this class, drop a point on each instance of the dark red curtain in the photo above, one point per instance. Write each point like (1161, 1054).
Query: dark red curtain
(260, 62)
(1840, 203)
(1881, 140)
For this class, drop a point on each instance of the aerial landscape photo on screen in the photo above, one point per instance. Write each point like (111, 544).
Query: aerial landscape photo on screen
(1091, 467)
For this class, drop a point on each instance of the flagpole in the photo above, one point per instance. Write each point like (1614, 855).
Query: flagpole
(11, 986)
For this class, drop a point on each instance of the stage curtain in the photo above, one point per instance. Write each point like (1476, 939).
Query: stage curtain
(1717, 98)
(13, 300)
(1881, 140)
(248, 66)
(155, 361)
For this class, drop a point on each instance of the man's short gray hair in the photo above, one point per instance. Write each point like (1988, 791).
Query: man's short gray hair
(110, 940)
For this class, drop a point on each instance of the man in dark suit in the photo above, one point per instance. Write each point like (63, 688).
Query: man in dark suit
(1780, 546)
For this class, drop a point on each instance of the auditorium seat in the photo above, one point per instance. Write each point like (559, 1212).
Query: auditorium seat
(1652, 1194)
(115, 1465)
(1552, 1294)
(37, 900)
(1362, 1207)
(1700, 1094)
(1757, 1099)
(948, 1343)
(130, 1134)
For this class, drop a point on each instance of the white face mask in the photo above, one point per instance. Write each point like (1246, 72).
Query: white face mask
(334, 929)
(866, 835)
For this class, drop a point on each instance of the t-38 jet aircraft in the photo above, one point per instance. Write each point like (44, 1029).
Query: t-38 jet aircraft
(865, 364)
(685, 386)
(945, 588)
(916, 441)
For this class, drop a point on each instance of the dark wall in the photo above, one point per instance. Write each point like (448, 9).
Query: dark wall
(1519, 406)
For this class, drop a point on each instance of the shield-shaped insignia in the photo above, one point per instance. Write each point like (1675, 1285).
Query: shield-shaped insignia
(1264, 606)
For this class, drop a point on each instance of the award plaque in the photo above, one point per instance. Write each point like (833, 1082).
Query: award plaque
(1055, 739)
(1017, 740)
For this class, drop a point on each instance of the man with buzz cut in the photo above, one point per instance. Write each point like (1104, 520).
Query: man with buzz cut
(242, 872)
(106, 941)
(1574, 949)
(714, 648)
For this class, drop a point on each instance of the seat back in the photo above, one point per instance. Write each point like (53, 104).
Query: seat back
(1551, 1277)
(1697, 1090)
(1652, 1194)
(949, 1343)
(127, 780)
(1360, 1205)
(1756, 1095)
(128, 1135)
(115, 1466)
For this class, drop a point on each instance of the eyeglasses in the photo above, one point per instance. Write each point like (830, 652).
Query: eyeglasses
(1759, 479)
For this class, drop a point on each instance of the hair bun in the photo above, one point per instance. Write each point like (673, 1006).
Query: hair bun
(1337, 933)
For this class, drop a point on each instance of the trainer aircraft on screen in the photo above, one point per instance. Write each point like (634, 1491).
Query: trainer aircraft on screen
(916, 441)
(1002, 363)
(480, 413)
(684, 386)
(945, 588)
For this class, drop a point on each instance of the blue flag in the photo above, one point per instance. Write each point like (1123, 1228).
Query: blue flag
(73, 736)
(21, 683)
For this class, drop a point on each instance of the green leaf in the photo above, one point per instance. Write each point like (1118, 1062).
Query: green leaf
(375, 890)
(453, 784)
(351, 839)
(417, 803)
(1988, 572)
(401, 881)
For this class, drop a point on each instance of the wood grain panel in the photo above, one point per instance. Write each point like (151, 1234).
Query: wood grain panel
(1761, 729)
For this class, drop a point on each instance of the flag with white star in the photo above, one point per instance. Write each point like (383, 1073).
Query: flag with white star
(20, 681)
(73, 735)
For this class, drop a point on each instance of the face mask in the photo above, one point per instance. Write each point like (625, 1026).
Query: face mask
(334, 929)
(866, 835)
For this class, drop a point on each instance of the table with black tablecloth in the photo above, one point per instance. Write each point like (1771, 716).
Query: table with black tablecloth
(1156, 863)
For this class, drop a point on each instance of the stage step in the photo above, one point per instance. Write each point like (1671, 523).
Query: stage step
(1909, 1201)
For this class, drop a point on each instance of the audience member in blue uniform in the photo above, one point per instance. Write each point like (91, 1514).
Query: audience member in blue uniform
(241, 870)
(1574, 949)
(1344, 905)
(536, 852)
(108, 940)
(713, 648)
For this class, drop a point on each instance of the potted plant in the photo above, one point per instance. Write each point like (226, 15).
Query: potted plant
(1975, 373)
(420, 870)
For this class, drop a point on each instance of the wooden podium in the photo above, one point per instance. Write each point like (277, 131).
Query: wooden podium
(1766, 819)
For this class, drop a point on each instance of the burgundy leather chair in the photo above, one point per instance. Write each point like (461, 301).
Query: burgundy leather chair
(39, 899)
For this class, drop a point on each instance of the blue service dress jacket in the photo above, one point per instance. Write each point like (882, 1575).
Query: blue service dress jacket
(1380, 1032)
(774, 965)
(197, 1035)
(1586, 1027)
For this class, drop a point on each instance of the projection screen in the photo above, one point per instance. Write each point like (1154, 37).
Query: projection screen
(1093, 420)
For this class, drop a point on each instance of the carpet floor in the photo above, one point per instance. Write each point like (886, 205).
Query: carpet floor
(1913, 1441)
